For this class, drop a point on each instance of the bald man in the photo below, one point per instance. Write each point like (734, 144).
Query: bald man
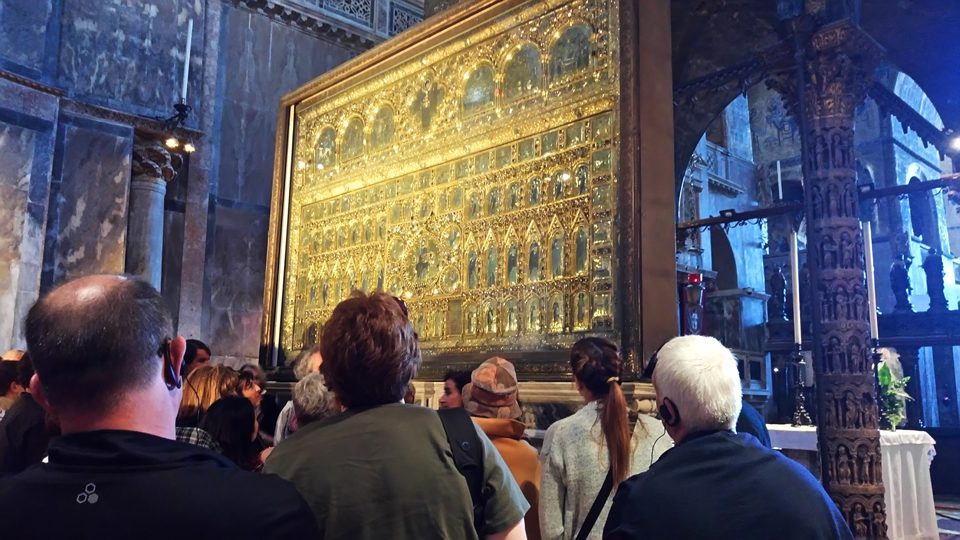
(107, 366)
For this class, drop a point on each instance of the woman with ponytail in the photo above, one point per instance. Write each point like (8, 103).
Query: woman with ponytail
(580, 451)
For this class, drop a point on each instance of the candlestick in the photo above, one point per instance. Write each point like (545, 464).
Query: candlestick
(800, 415)
(186, 61)
(795, 287)
(779, 182)
(871, 280)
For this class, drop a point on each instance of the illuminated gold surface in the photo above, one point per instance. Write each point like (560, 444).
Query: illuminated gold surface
(476, 180)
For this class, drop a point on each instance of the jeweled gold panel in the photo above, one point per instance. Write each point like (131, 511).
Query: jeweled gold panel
(477, 180)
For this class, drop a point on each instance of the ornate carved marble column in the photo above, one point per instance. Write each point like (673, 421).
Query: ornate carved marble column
(153, 166)
(838, 65)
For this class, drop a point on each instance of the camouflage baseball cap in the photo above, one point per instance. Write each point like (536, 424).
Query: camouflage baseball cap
(492, 390)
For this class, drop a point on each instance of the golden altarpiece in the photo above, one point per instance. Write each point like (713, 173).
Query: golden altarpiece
(473, 167)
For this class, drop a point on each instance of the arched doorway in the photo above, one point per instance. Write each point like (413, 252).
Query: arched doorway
(724, 263)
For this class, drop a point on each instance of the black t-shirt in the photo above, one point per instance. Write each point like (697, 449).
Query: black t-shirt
(723, 485)
(124, 484)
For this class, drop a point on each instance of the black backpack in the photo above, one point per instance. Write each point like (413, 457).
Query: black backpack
(468, 456)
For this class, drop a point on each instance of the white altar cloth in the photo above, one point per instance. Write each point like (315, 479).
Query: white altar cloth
(906, 457)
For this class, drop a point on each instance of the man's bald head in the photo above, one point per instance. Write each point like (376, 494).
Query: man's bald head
(95, 337)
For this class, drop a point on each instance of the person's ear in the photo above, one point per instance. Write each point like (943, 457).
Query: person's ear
(36, 390)
(178, 347)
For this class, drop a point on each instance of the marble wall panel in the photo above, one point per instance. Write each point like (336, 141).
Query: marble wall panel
(235, 268)
(264, 60)
(16, 162)
(172, 267)
(87, 223)
(127, 54)
(252, 94)
(23, 27)
(174, 213)
(738, 132)
(27, 128)
(197, 178)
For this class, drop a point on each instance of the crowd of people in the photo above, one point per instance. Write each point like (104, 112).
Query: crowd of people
(114, 427)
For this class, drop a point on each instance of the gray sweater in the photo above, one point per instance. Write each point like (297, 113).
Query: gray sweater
(574, 463)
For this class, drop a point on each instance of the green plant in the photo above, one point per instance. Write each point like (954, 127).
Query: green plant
(893, 396)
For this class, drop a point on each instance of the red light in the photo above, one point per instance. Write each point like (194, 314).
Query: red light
(694, 278)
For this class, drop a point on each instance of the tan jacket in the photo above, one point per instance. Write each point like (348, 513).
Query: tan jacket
(523, 462)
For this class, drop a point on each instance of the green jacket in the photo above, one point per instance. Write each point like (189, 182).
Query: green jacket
(387, 472)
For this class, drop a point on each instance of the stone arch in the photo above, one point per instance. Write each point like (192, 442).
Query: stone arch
(724, 261)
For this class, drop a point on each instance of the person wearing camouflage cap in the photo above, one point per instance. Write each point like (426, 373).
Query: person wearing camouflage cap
(491, 399)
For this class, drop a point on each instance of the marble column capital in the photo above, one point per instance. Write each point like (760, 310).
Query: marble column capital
(841, 63)
(840, 60)
(153, 161)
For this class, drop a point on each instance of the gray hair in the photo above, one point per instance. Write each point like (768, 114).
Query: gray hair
(312, 400)
(700, 376)
(302, 363)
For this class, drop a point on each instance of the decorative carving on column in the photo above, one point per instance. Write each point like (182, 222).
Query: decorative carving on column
(838, 66)
(153, 166)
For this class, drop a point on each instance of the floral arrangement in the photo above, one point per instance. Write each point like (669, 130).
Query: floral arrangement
(893, 396)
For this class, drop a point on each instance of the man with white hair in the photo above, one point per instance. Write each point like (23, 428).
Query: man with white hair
(716, 483)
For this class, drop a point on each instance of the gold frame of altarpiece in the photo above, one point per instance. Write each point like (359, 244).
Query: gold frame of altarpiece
(473, 167)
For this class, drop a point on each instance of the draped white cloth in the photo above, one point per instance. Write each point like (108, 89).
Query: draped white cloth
(906, 456)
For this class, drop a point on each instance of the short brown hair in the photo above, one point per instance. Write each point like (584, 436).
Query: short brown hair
(370, 350)
(94, 338)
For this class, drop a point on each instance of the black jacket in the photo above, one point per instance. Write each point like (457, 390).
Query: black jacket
(723, 485)
(25, 433)
(124, 484)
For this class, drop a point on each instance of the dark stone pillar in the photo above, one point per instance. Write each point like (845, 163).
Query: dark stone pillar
(945, 372)
(910, 360)
(153, 166)
(838, 64)
(646, 82)
(945, 377)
